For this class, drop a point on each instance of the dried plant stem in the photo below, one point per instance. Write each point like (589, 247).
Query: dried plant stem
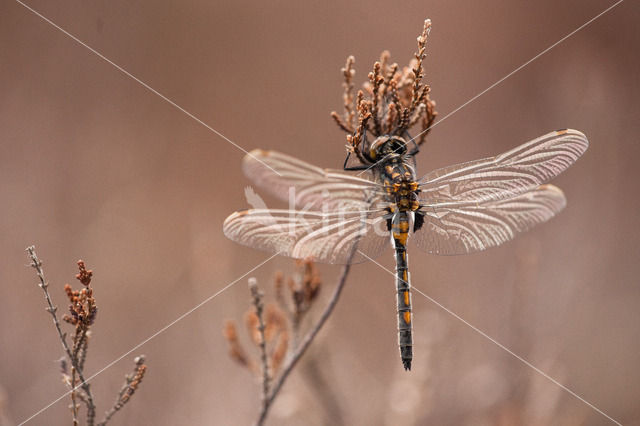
(116, 406)
(306, 342)
(342, 124)
(76, 369)
(394, 100)
(74, 405)
(256, 294)
(376, 81)
(417, 89)
(132, 381)
(349, 112)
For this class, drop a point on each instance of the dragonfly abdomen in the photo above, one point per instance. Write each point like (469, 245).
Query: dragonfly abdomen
(400, 223)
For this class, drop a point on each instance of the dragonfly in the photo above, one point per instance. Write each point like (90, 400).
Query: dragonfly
(339, 217)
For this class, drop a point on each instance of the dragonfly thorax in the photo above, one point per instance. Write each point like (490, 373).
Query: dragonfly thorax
(399, 182)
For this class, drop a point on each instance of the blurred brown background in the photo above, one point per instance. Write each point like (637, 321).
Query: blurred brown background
(94, 166)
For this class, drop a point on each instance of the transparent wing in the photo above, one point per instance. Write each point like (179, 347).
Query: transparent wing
(522, 169)
(458, 228)
(315, 188)
(326, 237)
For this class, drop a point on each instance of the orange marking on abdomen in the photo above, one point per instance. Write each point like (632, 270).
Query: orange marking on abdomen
(407, 317)
(406, 298)
(401, 237)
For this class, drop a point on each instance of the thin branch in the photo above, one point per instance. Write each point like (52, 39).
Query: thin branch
(306, 341)
(427, 119)
(74, 405)
(83, 351)
(349, 112)
(132, 381)
(418, 71)
(256, 294)
(344, 126)
(91, 408)
(376, 80)
(236, 351)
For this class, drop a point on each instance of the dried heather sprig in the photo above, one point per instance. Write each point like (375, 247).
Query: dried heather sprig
(275, 322)
(131, 384)
(267, 327)
(84, 276)
(280, 351)
(236, 351)
(347, 121)
(304, 286)
(376, 81)
(82, 315)
(364, 114)
(392, 101)
(256, 296)
(84, 393)
(418, 71)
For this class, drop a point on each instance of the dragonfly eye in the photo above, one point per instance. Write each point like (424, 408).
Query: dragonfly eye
(386, 145)
(397, 145)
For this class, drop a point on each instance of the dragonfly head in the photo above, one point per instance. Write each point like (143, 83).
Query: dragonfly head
(387, 146)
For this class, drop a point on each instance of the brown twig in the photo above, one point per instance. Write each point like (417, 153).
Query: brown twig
(364, 114)
(236, 351)
(82, 315)
(417, 71)
(348, 120)
(257, 295)
(376, 80)
(132, 381)
(304, 287)
(344, 126)
(392, 102)
(278, 284)
(427, 119)
(349, 113)
(76, 369)
(306, 341)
